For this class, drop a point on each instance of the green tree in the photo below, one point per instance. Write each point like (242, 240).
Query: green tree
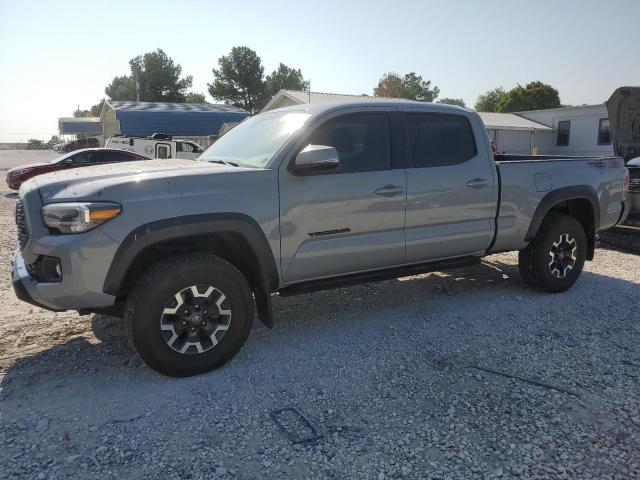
(195, 97)
(533, 96)
(54, 139)
(81, 113)
(239, 79)
(158, 80)
(159, 77)
(411, 86)
(96, 109)
(488, 102)
(453, 101)
(121, 88)
(284, 78)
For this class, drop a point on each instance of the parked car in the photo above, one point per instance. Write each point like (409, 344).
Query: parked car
(79, 158)
(295, 200)
(78, 144)
(158, 145)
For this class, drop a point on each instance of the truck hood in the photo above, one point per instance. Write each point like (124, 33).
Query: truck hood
(92, 182)
(624, 118)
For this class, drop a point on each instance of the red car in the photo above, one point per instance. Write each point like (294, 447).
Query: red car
(79, 158)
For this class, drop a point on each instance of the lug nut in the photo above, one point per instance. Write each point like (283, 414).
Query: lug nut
(184, 323)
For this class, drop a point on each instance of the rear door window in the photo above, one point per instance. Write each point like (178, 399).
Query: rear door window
(439, 139)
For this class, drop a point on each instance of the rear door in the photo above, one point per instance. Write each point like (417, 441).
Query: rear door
(451, 188)
(345, 220)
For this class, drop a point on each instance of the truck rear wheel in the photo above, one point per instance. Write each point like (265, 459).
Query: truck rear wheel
(552, 262)
(189, 314)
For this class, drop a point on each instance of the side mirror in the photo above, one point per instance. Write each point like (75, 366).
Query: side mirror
(315, 158)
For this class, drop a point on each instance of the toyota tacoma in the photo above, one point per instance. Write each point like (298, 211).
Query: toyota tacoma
(295, 200)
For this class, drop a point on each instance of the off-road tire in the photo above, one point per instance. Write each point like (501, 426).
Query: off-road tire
(534, 260)
(146, 304)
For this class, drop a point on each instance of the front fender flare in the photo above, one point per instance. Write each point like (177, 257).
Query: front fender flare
(152, 233)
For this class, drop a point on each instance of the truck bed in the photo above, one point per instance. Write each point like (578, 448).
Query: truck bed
(525, 181)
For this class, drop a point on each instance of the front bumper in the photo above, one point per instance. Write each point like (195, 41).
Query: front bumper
(25, 287)
(83, 262)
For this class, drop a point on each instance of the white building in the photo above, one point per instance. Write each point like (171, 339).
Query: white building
(580, 130)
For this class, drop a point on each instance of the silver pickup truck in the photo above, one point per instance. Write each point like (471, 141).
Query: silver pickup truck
(295, 200)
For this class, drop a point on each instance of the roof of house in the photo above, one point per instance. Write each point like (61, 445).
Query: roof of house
(186, 119)
(171, 107)
(79, 125)
(299, 96)
(509, 121)
(504, 121)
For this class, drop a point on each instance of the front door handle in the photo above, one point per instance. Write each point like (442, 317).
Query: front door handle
(477, 183)
(389, 190)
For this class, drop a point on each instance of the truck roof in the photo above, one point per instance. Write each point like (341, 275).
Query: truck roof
(317, 108)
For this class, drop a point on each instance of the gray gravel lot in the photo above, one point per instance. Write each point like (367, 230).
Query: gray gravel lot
(464, 374)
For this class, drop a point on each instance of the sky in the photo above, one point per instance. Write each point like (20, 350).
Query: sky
(56, 55)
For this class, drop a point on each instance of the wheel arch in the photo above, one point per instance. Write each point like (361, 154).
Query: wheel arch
(233, 236)
(580, 202)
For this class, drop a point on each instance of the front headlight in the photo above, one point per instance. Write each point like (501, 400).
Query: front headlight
(78, 217)
(18, 172)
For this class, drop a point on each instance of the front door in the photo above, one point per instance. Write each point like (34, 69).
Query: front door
(451, 188)
(349, 219)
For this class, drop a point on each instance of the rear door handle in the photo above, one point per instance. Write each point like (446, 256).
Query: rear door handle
(389, 190)
(477, 183)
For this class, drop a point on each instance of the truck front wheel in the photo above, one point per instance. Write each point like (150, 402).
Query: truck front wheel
(189, 314)
(552, 262)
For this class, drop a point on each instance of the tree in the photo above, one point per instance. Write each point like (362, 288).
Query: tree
(418, 89)
(157, 77)
(284, 78)
(488, 102)
(121, 88)
(96, 110)
(533, 96)
(453, 101)
(54, 139)
(195, 97)
(238, 80)
(411, 86)
(81, 113)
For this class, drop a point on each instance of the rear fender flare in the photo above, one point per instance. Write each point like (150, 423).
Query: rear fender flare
(551, 199)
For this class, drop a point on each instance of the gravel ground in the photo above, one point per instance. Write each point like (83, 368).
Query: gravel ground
(464, 374)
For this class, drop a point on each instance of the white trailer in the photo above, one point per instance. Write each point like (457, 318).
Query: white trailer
(156, 146)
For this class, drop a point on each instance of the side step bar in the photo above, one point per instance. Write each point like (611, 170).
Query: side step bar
(377, 275)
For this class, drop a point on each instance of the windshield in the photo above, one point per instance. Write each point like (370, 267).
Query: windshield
(255, 141)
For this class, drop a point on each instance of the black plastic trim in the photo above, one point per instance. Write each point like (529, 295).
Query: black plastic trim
(188, 226)
(377, 275)
(562, 195)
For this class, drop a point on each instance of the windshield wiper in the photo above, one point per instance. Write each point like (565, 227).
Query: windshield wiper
(224, 162)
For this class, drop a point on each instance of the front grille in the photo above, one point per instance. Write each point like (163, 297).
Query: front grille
(21, 224)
